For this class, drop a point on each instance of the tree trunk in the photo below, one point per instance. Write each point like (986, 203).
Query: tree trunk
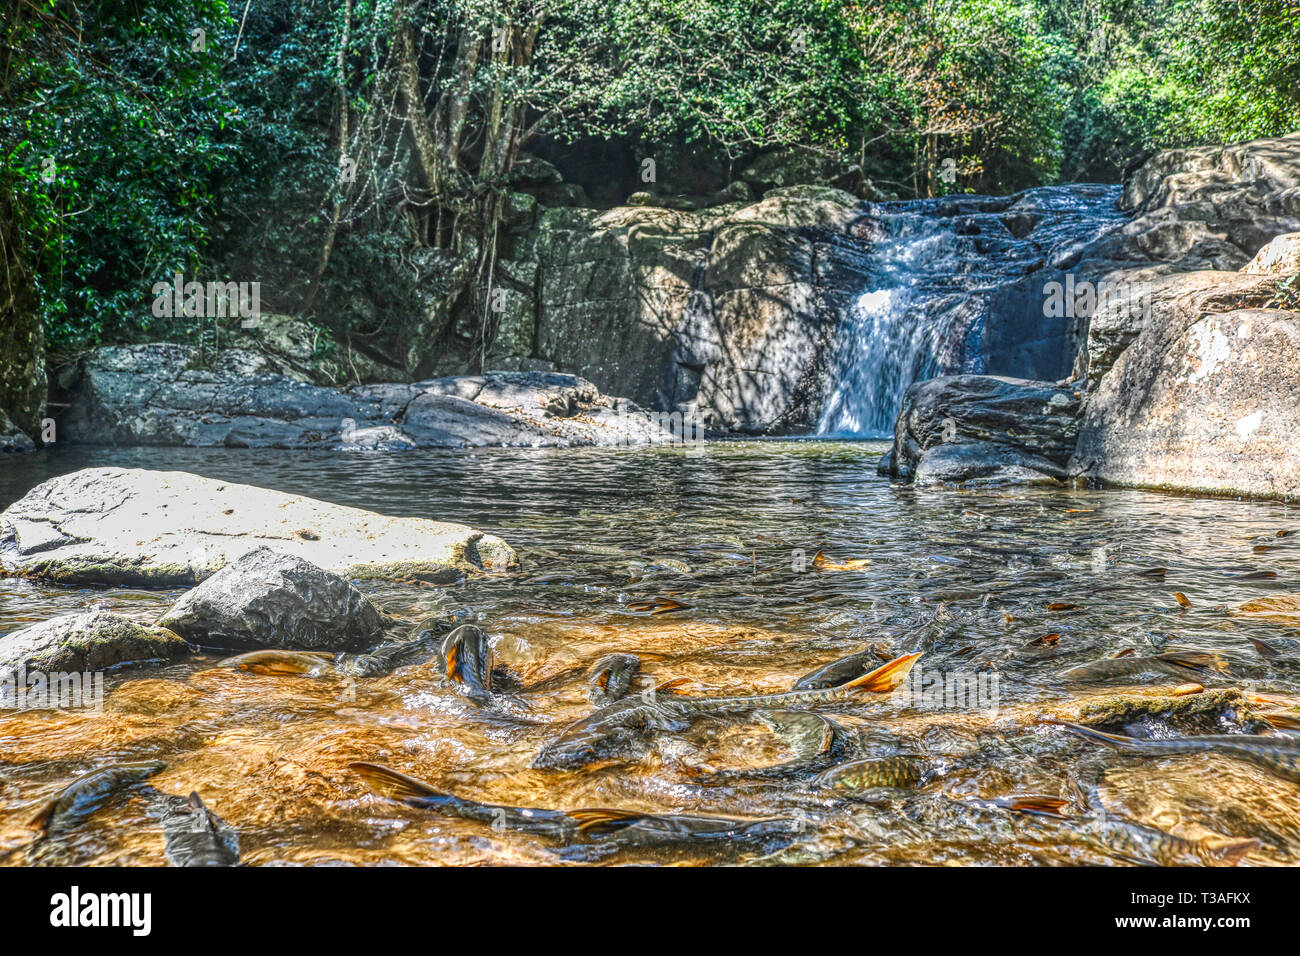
(22, 335)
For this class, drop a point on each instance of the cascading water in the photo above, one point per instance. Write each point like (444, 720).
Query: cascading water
(957, 286)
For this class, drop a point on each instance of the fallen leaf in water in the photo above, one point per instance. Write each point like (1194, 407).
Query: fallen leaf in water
(1061, 606)
(1283, 534)
(1008, 619)
(1184, 690)
(1124, 653)
(822, 563)
(1182, 599)
(1261, 548)
(1047, 640)
(657, 605)
(1079, 511)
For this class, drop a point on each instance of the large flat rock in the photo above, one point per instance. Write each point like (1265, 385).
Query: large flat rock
(137, 527)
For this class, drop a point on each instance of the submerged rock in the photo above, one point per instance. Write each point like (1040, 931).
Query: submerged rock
(90, 641)
(1218, 711)
(135, 527)
(267, 599)
(165, 394)
(962, 428)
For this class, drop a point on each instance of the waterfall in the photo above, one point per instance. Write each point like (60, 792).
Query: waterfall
(956, 285)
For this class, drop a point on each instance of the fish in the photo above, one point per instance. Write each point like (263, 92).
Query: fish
(193, 835)
(657, 605)
(467, 661)
(612, 677)
(382, 660)
(1278, 754)
(1179, 663)
(56, 818)
(815, 739)
(904, 773)
(1148, 846)
(275, 663)
(1273, 648)
(840, 671)
(611, 730)
(598, 825)
(76, 802)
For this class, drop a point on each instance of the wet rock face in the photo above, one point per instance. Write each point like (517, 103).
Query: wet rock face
(963, 428)
(82, 642)
(1204, 398)
(268, 599)
(153, 528)
(1211, 208)
(165, 394)
(725, 313)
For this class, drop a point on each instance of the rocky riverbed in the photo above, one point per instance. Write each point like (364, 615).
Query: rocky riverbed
(1028, 607)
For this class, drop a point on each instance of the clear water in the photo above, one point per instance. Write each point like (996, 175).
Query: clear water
(966, 576)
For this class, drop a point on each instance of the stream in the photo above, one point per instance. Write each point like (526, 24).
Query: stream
(730, 530)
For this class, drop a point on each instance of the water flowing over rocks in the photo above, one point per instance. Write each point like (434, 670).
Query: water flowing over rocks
(963, 428)
(163, 394)
(267, 599)
(86, 642)
(1186, 345)
(135, 527)
(959, 285)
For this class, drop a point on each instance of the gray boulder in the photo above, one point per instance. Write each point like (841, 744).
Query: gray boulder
(13, 438)
(86, 642)
(163, 394)
(1204, 396)
(987, 428)
(268, 599)
(135, 527)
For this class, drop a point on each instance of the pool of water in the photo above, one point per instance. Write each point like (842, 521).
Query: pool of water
(972, 578)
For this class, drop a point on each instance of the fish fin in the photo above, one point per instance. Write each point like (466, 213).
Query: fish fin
(1114, 740)
(1037, 803)
(1283, 721)
(603, 820)
(1228, 852)
(676, 686)
(41, 819)
(1264, 648)
(1195, 660)
(602, 681)
(392, 784)
(885, 677)
(452, 660)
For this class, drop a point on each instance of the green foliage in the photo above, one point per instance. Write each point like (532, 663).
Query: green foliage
(114, 130)
(129, 155)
